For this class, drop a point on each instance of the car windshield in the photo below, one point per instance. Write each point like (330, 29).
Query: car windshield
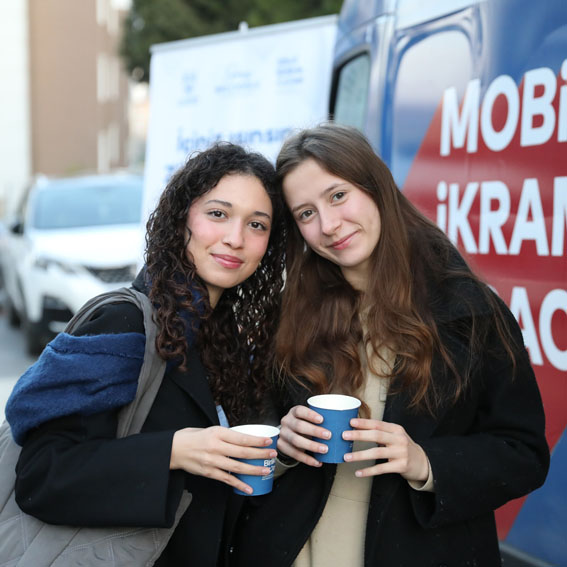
(88, 205)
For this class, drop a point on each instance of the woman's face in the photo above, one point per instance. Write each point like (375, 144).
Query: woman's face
(230, 228)
(339, 221)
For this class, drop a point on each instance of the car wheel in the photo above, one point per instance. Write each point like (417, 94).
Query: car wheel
(33, 335)
(34, 340)
(12, 313)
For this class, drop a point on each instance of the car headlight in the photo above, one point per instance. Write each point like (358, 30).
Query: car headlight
(44, 263)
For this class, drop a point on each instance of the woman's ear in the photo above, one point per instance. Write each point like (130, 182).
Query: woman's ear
(186, 233)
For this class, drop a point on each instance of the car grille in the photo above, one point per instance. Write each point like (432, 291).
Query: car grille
(114, 275)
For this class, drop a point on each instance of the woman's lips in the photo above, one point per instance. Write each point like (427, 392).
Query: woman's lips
(226, 261)
(343, 242)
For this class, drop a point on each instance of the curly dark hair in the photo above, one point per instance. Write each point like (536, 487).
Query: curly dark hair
(234, 339)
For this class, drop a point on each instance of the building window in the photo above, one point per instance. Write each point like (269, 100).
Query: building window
(115, 78)
(102, 77)
(108, 77)
(112, 22)
(101, 12)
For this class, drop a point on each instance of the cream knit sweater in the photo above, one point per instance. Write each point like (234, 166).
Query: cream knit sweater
(338, 537)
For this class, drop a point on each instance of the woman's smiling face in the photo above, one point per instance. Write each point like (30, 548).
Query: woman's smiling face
(230, 229)
(338, 221)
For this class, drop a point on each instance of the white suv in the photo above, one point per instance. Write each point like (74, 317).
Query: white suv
(73, 238)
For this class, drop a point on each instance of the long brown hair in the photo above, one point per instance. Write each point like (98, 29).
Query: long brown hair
(234, 339)
(413, 259)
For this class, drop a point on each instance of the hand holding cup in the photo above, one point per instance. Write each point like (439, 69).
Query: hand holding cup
(213, 452)
(305, 436)
(337, 411)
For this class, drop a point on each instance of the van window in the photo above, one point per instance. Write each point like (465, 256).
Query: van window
(352, 92)
(426, 67)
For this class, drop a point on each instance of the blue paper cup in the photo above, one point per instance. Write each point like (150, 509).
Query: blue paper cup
(260, 484)
(337, 411)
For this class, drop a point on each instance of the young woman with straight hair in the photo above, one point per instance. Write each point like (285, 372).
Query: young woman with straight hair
(379, 304)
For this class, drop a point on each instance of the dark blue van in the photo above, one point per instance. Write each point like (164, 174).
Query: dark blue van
(466, 101)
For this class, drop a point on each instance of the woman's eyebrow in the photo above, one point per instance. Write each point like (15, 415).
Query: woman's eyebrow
(229, 205)
(262, 214)
(322, 194)
(223, 203)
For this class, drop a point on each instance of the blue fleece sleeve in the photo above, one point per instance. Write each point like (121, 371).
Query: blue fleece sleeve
(76, 375)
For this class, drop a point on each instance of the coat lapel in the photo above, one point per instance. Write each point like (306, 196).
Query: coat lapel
(418, 424)
(194, 383)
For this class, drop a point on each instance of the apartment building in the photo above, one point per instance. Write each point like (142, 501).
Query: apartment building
(65, 100)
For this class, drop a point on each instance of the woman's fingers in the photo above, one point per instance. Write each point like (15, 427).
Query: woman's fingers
(296, 432)
(299, 441)
(240, 467)
(375, 453)
(360, 423)
(303, 420)
(223, 464)
(297, 454)
(306, 414)
(230, 479)
(376, 431)
(239, 452)
(393, 445)
(213, 453)
(381, 468)
(229, 443)
(242, 439)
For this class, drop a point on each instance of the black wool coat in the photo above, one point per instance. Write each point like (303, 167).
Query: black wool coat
(485, 450)
(74, 471)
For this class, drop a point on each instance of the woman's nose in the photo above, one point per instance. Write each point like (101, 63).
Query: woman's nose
(329, 223)
(233, 236)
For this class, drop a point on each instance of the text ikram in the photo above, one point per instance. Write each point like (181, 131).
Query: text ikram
(536, 116)
(453, 210)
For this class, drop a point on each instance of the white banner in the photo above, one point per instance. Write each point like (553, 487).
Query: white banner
(250, 87)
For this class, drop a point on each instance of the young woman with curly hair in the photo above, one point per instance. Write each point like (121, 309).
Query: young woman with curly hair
(214, 268)
(378, 304)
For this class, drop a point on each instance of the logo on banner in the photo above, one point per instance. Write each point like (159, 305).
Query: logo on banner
(289, 72)
(188, 88)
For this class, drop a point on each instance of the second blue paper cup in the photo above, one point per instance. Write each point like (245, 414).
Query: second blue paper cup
(337, 411)
(260, 484)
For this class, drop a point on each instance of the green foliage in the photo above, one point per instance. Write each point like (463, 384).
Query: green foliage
(157, 21)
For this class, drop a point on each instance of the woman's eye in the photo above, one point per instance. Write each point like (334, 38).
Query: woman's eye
(304, 215)
(216, 214)
(256, 225)
(338, 195)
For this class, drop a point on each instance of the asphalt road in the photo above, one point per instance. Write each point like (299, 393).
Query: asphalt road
(13, 359)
